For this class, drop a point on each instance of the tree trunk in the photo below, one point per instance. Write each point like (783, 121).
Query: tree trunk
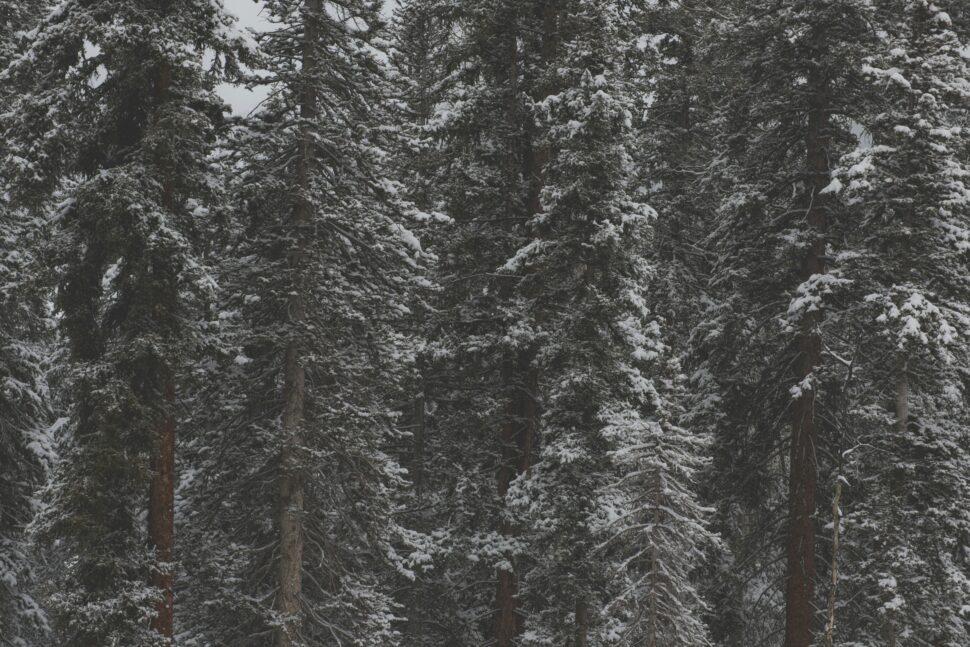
(521, 424)
(291, 494)
(161, 495)
(902, 396)
(292, 479)
(582, 622)
(161, 516)
(420, 431)
(834, 568)
(800, 588)
(890, 631)
(517, 440)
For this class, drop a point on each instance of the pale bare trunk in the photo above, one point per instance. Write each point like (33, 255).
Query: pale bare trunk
(292, 481)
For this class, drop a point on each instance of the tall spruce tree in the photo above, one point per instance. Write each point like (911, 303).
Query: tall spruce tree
(423, 39)
(115, 117)
(682, 155)
(295, 501)
(764, 344)
(25, 399)
(481, 386)
(905, 569)
(611, 519)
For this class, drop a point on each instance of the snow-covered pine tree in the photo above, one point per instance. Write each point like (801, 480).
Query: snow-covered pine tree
(480, 378)
(608, 510)
(422, 55)
(908, 232)
(682, 155)
(114, 115)
(24, 396)
(25, 408)
(785, 120)
(294, 503)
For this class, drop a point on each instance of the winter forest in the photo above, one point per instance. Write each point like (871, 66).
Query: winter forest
(491, 323)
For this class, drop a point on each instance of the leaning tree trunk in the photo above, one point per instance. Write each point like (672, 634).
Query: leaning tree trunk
(803, 479)
(161, 494)
(292, 480)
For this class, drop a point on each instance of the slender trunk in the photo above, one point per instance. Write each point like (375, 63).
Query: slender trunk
(161, 516)
(518, 432)
(890, 632)
(415, 619)
(161, 495)
(292, 481)
(420, 433)
(655, 563)
(834, 569)
(800, 586)
(582, 622)
(902, 396)
(291, 492)
(517, 439)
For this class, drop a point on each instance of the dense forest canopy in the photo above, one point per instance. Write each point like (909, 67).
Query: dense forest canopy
(511, 323)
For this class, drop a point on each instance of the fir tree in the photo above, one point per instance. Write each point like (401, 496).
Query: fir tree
(772, 282)
(25, 398)
(481, 380)
(116, 115)
(423, 39)
(613, 482)
(296, 496)
(905, 567)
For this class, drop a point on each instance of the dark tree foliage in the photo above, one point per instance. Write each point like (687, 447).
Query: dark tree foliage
(115, 121)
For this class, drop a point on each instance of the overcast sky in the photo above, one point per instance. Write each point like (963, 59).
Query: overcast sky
(248, 13)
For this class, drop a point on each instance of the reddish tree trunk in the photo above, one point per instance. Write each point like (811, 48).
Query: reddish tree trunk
(800, 593)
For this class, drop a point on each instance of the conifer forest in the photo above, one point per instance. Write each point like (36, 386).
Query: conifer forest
(485, 323)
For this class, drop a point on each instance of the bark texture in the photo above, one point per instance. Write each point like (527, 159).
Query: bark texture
(292, 481)
(800, 585)
(582, 623)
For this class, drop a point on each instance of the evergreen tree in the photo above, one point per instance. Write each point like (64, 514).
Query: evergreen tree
(763, 344)
(691, 80)
(481, 388)
(613, 526)
(423, 39)
(905, 564)
(295, 503)
(25, 399)
(116, 116)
